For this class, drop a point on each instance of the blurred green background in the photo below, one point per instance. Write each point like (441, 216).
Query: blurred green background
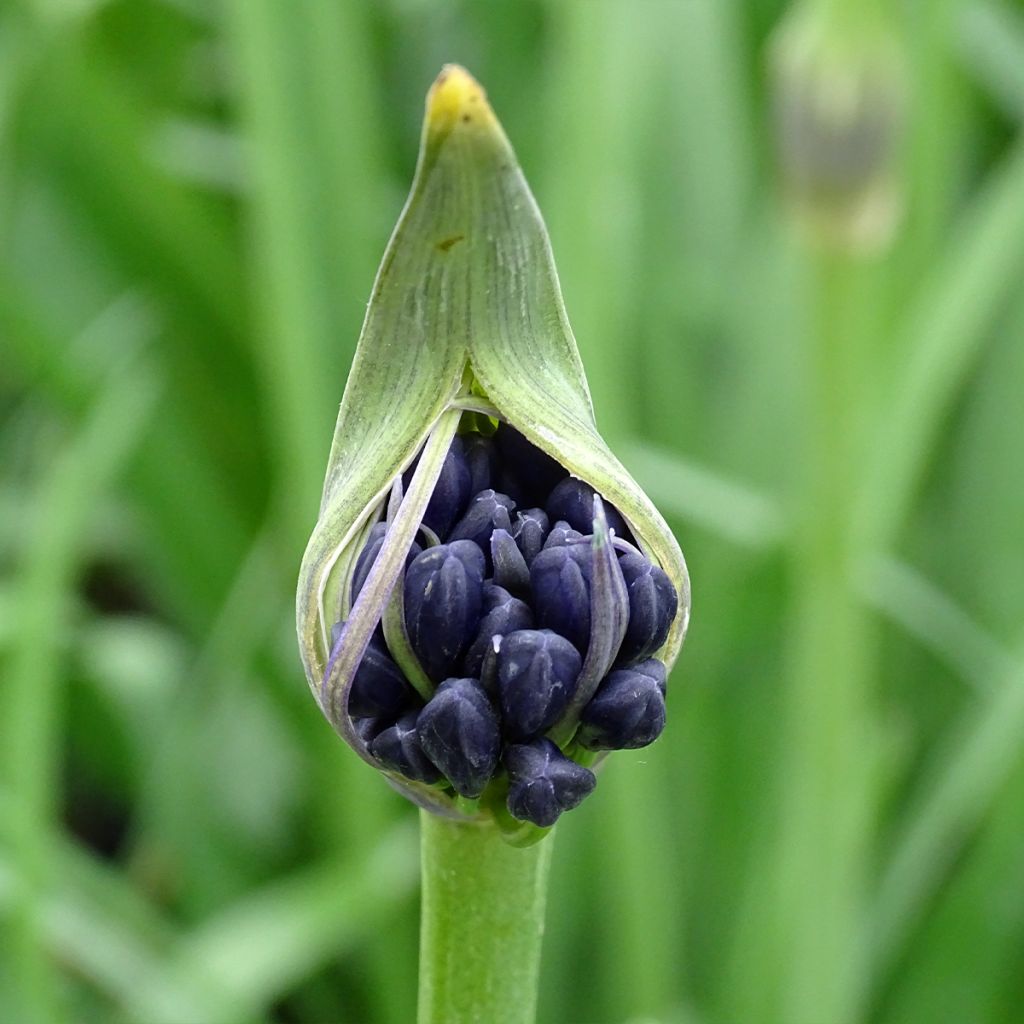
(791, 244)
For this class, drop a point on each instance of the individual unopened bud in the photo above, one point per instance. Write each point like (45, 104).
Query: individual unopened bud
(364, 563)
(480, 457)
(451, 493)
(488, 511)
(562, 534)
(443, 604)
(529, 531)
(655, 670)
(627, 712)
(379, 688)
(509, 566)
(543, 782)
(458, 730)
(537, 673)
(560, 580)
(839, 98)
(572, 502)
(398, 748)
(503, 614)
(653, 603)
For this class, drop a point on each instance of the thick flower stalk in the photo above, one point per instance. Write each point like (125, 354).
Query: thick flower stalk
(488, 602)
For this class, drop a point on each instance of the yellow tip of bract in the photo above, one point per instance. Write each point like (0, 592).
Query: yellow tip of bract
(456, 97)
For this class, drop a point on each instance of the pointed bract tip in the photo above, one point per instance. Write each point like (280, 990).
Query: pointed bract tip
(456, 97)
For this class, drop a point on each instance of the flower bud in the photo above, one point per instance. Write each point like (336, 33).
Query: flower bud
(838, 82)
(398, 748)
(653, 603)
(480, 458)
(488, 511)
(572, 502)
(529, 531)
(364, 563)
(537, 673)
(561, 534)
(443, 604)
(466, 426)
(627, 712)
(451, 493)
(379, 689)
(560, 578)
(458, 731)
(510, 569)
(503, 614)
(543, 782)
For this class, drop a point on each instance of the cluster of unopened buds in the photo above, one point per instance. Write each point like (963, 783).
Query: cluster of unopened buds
(488, 602)
(499, 600)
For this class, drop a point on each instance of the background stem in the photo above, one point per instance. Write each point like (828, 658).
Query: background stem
(481, 926)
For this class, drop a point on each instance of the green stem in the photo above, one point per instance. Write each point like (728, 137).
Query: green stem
(482, 924)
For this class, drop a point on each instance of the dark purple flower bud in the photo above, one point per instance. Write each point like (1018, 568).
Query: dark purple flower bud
(480, 458)
(379, 688)
(537, 673)
(364, 563)
(627, 712)
(656, 670)
(653, 602)
(560, 579)
(503, 614)
(488, 511)
(443, 604)
(572, 501)
(451, 493)
(458, 730)
(534, 471)
(398, 748)
(529, 531)
(510, 569)
(543, 782)
(368, 728)
(562, 534)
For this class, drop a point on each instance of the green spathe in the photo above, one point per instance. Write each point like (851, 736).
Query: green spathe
(466, 312)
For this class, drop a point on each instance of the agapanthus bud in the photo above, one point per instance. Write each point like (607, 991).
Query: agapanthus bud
(509, 566)
(364, 563)
(443, 604)
(561, 534)
(480, 458)
(398, 748)
(572, 502)
(379, 688)
(488, 511)
(627, 712)
(451, 493)
(458, 731)
(503, 614)
(466, 426)
(653, 603)
(543, 782)
(529, 531)
(537, 673)
(560, 578)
